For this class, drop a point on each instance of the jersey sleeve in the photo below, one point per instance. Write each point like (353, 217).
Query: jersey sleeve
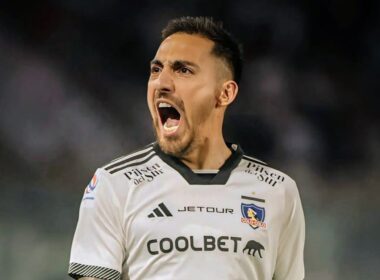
(97, 249)
(290, 259)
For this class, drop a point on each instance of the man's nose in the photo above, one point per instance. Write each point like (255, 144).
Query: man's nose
(165, 81)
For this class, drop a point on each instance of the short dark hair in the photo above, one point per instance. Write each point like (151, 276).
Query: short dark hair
(225, 45)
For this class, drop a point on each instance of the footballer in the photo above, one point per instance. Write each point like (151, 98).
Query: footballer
(190, 205)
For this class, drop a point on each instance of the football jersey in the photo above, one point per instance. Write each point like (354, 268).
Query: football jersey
(149, 216)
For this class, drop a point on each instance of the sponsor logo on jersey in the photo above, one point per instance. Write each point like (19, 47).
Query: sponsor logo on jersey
(253, 215)
(145, 174)
(253, 246)
(92, 185)
(204, 243)
(90, 190)
(206, 209)
(160, 211)
(263, 175)
(184, 243)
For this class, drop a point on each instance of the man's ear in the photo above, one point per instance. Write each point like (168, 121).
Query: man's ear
(227, 93)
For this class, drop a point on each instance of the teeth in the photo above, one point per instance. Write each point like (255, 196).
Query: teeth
(170, 129)
(164, 105)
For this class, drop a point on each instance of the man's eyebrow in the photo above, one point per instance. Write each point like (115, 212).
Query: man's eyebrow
(157, 62)
(177, 63)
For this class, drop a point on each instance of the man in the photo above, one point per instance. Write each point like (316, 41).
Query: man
(190, 206)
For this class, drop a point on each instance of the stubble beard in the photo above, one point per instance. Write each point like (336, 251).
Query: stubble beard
(177, 146)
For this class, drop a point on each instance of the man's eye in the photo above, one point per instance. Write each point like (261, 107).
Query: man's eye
(185, 70)
(154, 69)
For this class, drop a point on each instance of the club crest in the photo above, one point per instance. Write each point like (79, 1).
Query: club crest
(253, 215)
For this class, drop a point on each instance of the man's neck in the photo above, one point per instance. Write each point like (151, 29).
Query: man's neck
(207, 154)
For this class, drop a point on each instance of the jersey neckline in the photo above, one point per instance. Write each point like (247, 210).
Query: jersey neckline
(192, 178)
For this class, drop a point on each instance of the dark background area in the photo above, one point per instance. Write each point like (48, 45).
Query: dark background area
(72, 97)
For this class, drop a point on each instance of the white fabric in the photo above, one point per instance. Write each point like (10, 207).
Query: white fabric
(114, 230)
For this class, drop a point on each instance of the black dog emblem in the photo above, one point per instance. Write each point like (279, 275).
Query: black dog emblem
(253, 246)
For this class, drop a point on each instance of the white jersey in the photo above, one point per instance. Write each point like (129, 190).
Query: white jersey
(148, 216)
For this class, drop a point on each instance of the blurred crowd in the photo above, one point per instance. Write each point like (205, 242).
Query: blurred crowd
(72, 97)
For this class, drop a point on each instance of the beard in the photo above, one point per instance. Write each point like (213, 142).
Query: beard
(178, 146)
(174, 145)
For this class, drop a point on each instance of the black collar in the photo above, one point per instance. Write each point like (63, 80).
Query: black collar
(192, 178)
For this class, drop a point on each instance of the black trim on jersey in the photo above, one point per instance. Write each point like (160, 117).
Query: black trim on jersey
(253, 198)
(130, 158)
(207, 176)
(135, 163)
(77, 270)
(254, 160)
(192, 178)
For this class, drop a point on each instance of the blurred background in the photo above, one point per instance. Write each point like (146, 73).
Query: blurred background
(72, 97)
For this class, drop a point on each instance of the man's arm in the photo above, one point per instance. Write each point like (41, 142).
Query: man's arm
(97, 251)
(290, 264)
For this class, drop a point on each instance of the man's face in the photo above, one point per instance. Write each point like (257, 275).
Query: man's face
(182, 92)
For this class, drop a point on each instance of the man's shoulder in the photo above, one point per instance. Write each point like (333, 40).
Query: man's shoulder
(134, 158)
(266, 172)
(113, 175)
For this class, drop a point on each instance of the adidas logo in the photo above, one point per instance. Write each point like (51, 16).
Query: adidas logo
(160, 211)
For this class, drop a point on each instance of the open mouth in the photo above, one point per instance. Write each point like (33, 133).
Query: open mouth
(170, 117)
